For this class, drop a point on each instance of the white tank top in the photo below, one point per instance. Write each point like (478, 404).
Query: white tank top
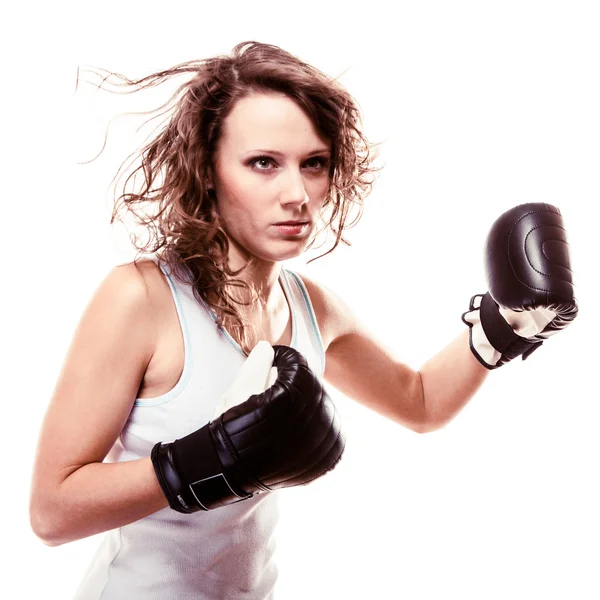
(224, 553)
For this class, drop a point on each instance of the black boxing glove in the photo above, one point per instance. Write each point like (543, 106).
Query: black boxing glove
(531, 292)
(288, 435)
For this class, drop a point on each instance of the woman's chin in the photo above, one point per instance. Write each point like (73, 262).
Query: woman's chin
(278, 254)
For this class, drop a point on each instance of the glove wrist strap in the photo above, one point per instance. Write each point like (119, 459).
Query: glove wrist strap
(492, 339)
(177, 493)
(192, 474)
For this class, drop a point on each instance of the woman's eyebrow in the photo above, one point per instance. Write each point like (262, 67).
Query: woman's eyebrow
(276, 153)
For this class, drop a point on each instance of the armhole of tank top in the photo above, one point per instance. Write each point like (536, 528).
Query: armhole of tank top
(187, 354)
(311, 315)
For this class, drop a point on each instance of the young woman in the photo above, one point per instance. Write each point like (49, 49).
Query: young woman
(261, 153)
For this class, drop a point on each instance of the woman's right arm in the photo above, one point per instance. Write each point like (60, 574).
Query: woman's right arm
(74, 494)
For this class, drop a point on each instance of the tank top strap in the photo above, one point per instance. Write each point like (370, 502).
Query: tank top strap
(308, 336)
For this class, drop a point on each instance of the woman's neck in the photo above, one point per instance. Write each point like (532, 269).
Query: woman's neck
(263, 277)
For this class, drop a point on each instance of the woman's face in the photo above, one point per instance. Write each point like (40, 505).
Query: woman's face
(271, 166)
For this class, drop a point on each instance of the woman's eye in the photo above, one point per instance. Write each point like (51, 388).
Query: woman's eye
(317, 162)
(262, 163)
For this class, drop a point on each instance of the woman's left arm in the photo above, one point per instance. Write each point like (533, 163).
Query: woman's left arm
(365, 370)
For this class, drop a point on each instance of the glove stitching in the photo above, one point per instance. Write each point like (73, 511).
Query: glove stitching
(510, 234)
(545, 255)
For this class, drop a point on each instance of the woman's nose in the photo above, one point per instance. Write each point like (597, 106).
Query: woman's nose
(293, 190)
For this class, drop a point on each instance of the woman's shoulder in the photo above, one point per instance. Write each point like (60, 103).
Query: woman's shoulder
(126, 280)
(140, 270)
(146, 270)
(146, 273)
(334, 317)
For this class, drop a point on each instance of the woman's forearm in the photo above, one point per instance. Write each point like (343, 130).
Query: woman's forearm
(95, 498)
(450, 379)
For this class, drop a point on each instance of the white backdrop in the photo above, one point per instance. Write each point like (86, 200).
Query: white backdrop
(480, 106)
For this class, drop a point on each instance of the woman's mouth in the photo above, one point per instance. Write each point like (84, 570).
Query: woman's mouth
(292, 228)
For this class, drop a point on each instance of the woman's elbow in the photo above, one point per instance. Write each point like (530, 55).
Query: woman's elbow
(45, 524)
(43, 532)
(428, 424)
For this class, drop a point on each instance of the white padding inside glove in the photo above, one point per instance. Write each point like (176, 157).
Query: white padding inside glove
(256, 375)
(528, 323)
(481, 344)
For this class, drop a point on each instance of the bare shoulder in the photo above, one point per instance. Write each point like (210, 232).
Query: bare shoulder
(334, 317)
(147, 268)
(124, 299)
(145, 272)
(145, 277)
(131, 277)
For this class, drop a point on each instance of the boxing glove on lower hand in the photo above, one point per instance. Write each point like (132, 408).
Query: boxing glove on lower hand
(288, 435)
(531, 291)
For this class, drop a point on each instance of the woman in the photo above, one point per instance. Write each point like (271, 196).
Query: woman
(260, 149)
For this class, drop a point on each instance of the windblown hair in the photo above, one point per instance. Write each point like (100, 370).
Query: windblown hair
(174, 202)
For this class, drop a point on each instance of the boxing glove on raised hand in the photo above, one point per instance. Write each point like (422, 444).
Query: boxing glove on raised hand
(531, 291)
(288, 435)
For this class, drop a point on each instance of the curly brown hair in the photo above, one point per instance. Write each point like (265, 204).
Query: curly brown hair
(174, 203)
